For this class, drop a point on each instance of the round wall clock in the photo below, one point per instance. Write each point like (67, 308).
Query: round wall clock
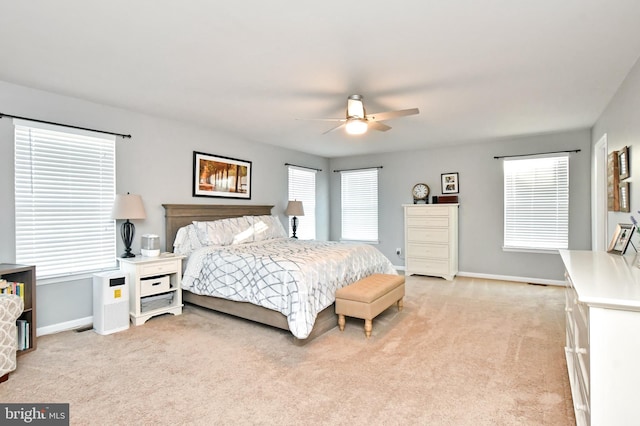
(420, 192)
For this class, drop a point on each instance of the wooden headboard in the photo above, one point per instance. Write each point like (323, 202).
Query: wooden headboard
(179, 215)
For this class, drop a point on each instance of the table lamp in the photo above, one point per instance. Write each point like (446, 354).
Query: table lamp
(294, 208)
(128, 206)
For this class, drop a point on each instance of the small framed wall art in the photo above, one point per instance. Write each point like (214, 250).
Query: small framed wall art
(624, 197)
(216, 176)
(450, 183)
(621, 238)
(623, 162)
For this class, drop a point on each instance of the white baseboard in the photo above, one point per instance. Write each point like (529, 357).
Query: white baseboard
(510, 278)
(64, 326)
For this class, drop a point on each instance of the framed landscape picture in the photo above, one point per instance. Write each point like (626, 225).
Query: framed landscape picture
(216, 176)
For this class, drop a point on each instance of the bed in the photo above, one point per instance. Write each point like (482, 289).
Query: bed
(213, 280)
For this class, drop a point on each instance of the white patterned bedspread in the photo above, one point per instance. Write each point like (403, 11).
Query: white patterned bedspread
(294, 277)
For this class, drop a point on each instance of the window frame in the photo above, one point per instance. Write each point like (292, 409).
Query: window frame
(367, 182)
(542, 181)
(64, 180)
(300, 188)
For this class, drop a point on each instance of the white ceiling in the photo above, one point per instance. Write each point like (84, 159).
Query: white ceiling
(475, 69)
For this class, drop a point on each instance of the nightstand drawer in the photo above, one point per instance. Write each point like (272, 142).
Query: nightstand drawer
(154, 285)
(158, 268)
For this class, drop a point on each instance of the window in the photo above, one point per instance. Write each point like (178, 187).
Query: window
(302, 187)
(64, 190)
(536, 203)
(360, 205)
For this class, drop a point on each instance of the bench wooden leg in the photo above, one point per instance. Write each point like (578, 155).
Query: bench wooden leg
(368, 326)
(400, 304)
(341, 322)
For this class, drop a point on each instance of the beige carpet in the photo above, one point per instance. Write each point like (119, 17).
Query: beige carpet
(468, 352)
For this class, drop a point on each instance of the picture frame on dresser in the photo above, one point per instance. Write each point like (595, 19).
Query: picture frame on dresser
(621, 238)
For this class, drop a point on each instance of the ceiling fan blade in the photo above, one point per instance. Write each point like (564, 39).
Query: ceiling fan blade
(335, 128)
(392, 114)
(323, 119)
(375, 125)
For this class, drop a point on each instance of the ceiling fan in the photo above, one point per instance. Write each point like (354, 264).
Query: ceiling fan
(357, 121)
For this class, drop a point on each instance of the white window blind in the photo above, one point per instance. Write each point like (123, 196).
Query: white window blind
(360, 205)
(64, 192)
(302, 187)
(536, 203)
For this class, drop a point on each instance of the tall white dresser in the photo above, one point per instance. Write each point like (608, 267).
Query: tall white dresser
(603, 337)
(431, 239)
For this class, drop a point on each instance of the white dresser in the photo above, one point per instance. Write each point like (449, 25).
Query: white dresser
(431, 239)
(603, 337)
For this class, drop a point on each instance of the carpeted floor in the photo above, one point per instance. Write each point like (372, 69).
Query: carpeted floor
(467, 352)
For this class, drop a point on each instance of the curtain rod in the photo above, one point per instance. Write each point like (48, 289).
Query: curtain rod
(361, 168)
(303, 167)
(65, 125)
(539, 153)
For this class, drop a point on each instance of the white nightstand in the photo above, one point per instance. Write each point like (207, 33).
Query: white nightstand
(154, 286)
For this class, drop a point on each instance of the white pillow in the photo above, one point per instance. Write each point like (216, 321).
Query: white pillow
(186, 241)
(266, 227)
(223, 232)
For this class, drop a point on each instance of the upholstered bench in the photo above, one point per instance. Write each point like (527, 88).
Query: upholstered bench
(368, 297)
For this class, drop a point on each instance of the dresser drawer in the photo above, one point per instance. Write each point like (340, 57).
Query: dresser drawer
(438, 251)
(433, 222)
(427, 211)
(158, 268)
(427, 266)
(428, 235)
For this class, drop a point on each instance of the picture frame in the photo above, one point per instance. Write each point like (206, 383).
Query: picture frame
(449, 183)
(218, 176)
(624, 197)
(621, 238)
(623, 163)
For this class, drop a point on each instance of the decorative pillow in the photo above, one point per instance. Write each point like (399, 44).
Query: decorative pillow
(223, 232)
(186, 241)
(266, 227)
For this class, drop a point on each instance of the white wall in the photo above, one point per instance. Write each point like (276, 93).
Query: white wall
(156, 163)
(481, 199)
(621, 123)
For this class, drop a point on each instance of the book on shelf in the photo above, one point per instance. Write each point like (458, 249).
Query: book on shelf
(9, 287)
(22, 329)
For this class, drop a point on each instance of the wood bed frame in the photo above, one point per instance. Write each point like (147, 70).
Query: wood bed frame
(179, 215)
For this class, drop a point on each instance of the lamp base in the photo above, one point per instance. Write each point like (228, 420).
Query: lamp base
(127, 231)
(294, 227)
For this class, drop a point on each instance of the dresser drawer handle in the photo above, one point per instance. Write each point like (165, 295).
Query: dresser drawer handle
(581, 351)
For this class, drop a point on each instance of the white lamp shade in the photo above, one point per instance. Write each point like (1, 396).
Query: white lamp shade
(356, 126)
(128, 206)
(294, 208)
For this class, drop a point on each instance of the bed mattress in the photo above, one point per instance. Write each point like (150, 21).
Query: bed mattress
(296, 278)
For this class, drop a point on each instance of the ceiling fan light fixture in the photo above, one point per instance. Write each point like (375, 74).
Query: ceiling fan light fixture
(356, 126)
(355, 107)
